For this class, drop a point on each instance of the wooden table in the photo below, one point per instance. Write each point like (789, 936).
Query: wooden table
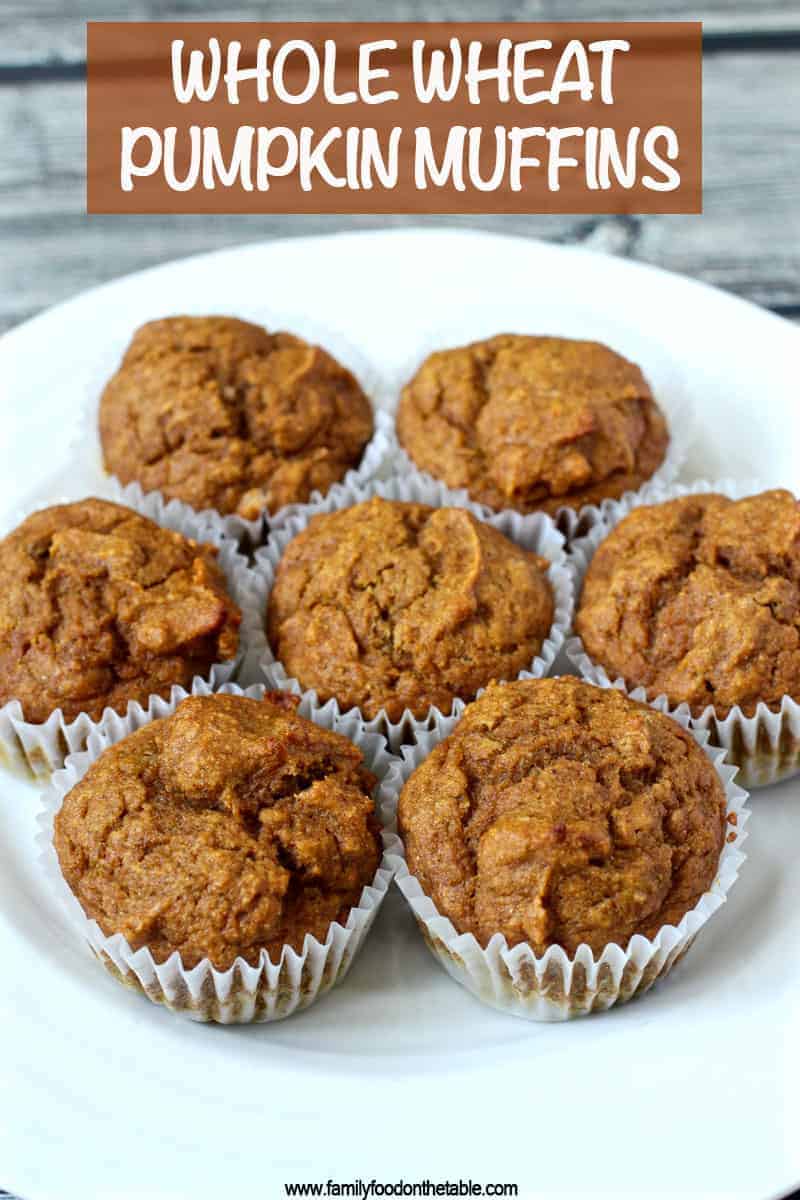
(748, 239)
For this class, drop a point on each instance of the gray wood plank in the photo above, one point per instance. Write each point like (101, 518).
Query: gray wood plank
(748, 240)
(35, 32)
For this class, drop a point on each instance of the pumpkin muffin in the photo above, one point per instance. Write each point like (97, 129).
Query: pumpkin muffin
(221, 414)
(100, 606)
(533, 423)
(558, 813)
(699, 599)
(399, 605)
(232, 826)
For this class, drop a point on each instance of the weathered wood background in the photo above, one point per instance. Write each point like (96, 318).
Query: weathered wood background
(748, 239)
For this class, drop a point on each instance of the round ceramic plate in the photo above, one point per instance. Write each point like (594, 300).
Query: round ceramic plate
(399, 1074)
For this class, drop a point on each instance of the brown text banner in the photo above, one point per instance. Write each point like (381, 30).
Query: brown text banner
(308, 117)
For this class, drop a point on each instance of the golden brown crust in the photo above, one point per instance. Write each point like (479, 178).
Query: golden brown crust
(100, 606)
(232, 826)
(533, 423)
(222, 414)
(699, 599)
(395, 605)
(558, 813)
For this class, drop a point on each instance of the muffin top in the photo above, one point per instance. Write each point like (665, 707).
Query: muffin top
(394, 605)
(699, 599)
(558, 813)
(232, 826)
(99, 606)
(224, 415)
(533, 422)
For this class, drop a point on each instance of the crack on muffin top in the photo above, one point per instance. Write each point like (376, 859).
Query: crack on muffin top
(560, 814)
(396, 605)
(222, 414)
(101, 606)
(698, 598)
(232, 826)
(532, 422)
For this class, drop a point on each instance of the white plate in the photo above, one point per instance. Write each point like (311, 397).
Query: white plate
(692, 1090)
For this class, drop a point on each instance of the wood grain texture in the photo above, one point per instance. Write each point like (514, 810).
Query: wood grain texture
(748, 239)
(52, 31)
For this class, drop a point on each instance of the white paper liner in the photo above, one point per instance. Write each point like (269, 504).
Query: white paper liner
(553, 986)
(766, 746)
(40, 748)
(535, 532)
(571, 522)
(267, 991)
(375, 460)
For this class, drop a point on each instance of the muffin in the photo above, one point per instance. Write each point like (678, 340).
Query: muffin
(698, 599)
(221, 414)
(533, 423)
(393, 605)
(100, 606)
(230, 827)
(561, 814)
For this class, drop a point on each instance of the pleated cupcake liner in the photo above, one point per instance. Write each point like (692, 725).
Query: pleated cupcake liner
(38, 748)
(765, 746)
(85, 447)
(246, 992)
(571, 522)
(535, 532)
(555, 986)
